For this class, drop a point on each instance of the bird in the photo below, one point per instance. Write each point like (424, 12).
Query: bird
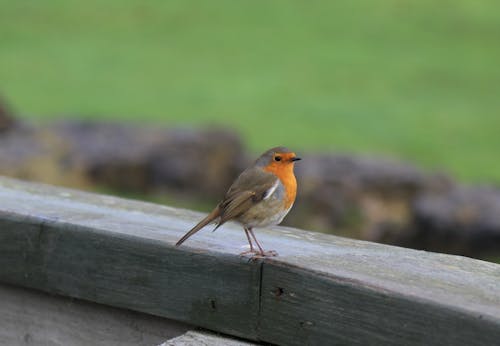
(261, 196)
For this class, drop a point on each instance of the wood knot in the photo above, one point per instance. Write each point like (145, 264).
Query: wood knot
(278, 292)
(213, 306)
(306, 324)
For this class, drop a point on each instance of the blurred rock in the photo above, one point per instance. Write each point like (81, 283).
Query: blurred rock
(464, 221)
(7, 119)
(203, 163)
(142, 159)
(30, 153)
(390, 202)
(362, 197)
(123, 157)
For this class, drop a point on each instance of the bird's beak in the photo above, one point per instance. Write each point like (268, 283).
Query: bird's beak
(296, 159)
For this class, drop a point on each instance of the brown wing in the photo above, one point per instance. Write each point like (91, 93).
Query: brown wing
(248, 189)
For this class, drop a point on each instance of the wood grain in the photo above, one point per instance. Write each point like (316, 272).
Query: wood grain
(321, 289)
(29, 317)
(310, 309)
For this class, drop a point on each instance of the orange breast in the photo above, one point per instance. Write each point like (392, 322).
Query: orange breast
(285, 174)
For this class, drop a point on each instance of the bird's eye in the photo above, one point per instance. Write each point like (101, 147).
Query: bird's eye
(277, 158)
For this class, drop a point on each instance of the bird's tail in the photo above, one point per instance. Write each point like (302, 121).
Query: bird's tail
(210, 217)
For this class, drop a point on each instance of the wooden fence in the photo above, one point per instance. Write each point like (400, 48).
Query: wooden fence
(320, 290)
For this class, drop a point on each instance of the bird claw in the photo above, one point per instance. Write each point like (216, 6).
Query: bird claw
(253, 252)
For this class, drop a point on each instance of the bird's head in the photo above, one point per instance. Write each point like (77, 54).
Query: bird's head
(277, 158)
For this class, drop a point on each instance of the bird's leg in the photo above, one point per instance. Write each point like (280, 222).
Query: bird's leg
(262, 252)
(252, 250)
(256, 242)
(249, 240)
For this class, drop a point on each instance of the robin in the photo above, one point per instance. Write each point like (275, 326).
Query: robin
(261, 196)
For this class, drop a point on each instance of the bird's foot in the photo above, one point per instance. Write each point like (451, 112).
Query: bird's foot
(270, 253)
(249, 252)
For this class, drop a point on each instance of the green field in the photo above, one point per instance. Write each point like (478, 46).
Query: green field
(419, 80)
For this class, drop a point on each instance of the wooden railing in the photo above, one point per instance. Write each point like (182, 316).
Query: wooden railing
(320, 290)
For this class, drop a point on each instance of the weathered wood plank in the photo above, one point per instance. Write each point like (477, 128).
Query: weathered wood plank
(29, 317)
(95, 253)
(362, 292)
(333, 290)
(211, 291)
(310, 309)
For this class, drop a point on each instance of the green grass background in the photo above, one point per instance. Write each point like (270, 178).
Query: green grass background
(418, 80)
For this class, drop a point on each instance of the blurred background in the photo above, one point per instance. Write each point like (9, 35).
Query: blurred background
(394, 106)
